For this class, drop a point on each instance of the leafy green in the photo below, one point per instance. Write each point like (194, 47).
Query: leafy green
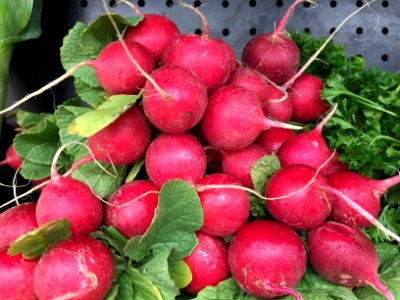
(226, 289)
(179, 215)
(26, 119)
(34, 243)
(134, 170)
(93, 121)
(143, 288)
(180, 274)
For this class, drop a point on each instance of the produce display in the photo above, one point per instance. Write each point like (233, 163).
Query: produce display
(180, 171)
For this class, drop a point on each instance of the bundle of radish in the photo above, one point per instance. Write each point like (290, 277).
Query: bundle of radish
(181, 177)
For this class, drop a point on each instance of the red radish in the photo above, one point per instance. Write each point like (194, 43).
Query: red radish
(336, 165)
(203, 55)
(65, 197)
(272, 139)
(154, 32)
(208, 263)
(131, 207)
(274, 54)
(267, 259)
(184, 103)
(296, 197)
(175, 156)
(345, 256)
(307, 148)
(238, 163)
(115, 71)
(231, 54)
(17, 221)
(225, 209)
(274, 101)
(12, 158)
(122, 142)
(305, 95)
(234, 118)
(16, 277)
(77, 268)
(364, 191)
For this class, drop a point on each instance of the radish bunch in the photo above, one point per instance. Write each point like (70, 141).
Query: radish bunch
(207, 119)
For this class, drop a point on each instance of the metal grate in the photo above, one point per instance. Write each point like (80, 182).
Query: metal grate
(374, 33)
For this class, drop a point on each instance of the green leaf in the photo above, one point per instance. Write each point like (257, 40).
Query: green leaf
(135, 170)
(95, 120)
(227, 290)
(262, 170)
(34, 243)
(26, 119)
(103, 184)
(72, 53)
(111, 237)
(143, 288)
(125, 288)
(157, 270)
(94, 96)
(101, 31)
(36, 147)
(179, 215)
(65, 114)
(313, 287)
(181, 274)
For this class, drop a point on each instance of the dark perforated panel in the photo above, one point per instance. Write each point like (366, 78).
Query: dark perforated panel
(374, 33)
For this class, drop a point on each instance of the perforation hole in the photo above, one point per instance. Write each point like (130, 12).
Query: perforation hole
(333, 4)
(252, 3)
(306, 4)
(197, 3)
(385, 3)
(253, 31)
(141, 3)
(385, 30)
(225, 32)
(112, 3)
(84, 3)
(359, 3)
(279, 3)
(169, 3)
(225, 4)
(359, 30)
(198, 31)
(385, 57)
(332, 30)
(307, 30)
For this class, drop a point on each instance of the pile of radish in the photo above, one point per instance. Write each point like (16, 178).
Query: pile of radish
(207, 119)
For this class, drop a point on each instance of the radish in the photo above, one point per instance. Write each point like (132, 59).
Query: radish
(17, 221)
(120, 143)
(307, 148)
(274, 101)
(296, 197)
(231, 54)
(65, 197)
(305, 95)
(272, 139)
(238, 163)
(155, 32)
(225, 210)
(267, 259)
(274, 54)
(208, 263)
(203, 55)
(183, 104)
(364, 191)
(345, 256)
(233, 118)
(12, 158)
(16, 277)
(131, 207)
(76, 268)
(175, 156)
(121, 68)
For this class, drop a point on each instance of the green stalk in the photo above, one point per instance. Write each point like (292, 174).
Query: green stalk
(5, 58)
